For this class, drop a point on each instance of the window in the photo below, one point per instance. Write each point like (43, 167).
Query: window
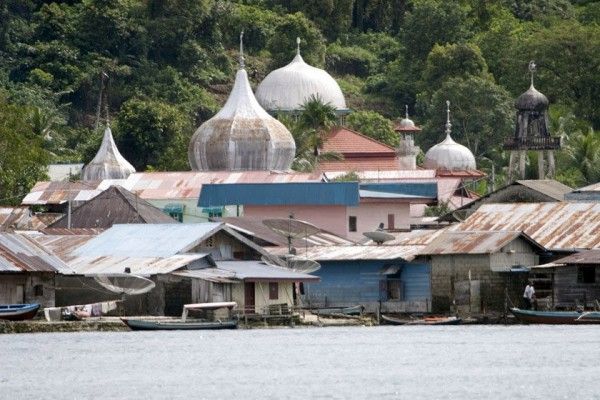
(273, 290)
(586, 274)
(38, 290)
(352, 224)
(175, 211)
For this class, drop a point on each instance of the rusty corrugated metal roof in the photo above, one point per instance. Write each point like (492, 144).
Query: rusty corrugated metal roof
(88, 265)
(157, 185)
(20, 253)
(584, 257)
(556, 226)
(61, 243)
(482, 242)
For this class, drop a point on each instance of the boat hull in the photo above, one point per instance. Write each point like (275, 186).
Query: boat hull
(355, 310)
(556, 317)
(155, 325)
(18, 312)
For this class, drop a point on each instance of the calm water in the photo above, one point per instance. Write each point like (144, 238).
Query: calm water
(471, 362)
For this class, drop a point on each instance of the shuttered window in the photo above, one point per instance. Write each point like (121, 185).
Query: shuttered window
(273, 291)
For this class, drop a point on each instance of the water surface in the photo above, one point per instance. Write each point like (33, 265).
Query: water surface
(419, 362)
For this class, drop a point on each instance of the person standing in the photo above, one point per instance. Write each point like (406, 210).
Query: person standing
(528, 295)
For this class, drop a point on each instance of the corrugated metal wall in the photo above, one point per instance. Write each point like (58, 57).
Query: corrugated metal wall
(417, 281)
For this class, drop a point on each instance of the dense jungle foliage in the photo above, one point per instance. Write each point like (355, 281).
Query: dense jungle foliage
(170, 64)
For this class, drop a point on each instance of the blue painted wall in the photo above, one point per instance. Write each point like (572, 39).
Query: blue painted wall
(360, 282)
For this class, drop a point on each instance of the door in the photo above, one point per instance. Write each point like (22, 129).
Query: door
(249, 297)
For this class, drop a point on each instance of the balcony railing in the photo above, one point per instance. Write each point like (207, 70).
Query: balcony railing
(533, 143)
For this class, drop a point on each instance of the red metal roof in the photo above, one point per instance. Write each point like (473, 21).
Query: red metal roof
(349, 143)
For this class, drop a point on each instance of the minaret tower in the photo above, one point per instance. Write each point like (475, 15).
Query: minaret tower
(532, 133)
(406, 150)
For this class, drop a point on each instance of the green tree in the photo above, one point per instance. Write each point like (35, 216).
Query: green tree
(374, 125)
(583, 150)
(282, 44)
(23, 161)
(153, 134)
(453, 60)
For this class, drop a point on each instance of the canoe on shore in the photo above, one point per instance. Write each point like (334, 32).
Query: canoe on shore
(556, 317)
(172, 325)
(354, 310)
(18, 312)
(423, 321)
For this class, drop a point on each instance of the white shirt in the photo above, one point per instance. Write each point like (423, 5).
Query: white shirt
(529, 292)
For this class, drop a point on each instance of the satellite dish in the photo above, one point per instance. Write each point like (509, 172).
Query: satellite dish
(379, 237)
(125, 283)
(291, 228)
(303, 265)
(273, 260)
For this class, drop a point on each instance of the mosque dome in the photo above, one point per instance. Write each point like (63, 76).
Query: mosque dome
(289, 87)
(108, 162)
(242, 136)
(449, 155)
(406, 125)
(532, 100)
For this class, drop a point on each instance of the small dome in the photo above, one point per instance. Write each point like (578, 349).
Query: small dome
(242, 136)
(532, 100)
(406, 123)
(108, 162)
(449, 155)
(289, 87)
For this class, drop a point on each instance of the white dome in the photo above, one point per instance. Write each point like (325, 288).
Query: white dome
(449, 155)
(406, 123)
(242, 136)
(289, 87)
(108, 162)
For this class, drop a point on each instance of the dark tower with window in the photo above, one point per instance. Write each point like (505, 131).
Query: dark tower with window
(532, 133)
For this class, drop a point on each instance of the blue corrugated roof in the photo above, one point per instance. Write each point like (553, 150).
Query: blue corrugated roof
(417, 190)
(293, 193)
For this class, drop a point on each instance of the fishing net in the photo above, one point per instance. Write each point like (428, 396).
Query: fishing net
(125, 283)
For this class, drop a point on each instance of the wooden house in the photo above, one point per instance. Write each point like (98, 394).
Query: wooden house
(574, 280)
(189, 263)
(27, 271)
(468, 269)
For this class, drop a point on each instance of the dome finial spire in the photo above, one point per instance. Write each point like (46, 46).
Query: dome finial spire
(242, 49)
(298, 45)
(448, 124)
(406, 108)
(532, 68)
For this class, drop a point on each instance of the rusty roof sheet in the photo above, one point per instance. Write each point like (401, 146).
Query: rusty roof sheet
(386, 175)
(583, 257)
(20, 253)
(88, 265)
(157, 185)
(62, 244)
(484, 242)
(556, 226)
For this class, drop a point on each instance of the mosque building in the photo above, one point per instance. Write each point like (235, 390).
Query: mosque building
(108, 162)
(286, 89)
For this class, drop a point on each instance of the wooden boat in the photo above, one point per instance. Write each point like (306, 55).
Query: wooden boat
(354, 310)
(436, 321)
(556, 317)
(172, 325)
(393, 321)
(18, 312)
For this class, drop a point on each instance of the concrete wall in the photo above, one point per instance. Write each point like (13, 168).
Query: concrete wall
(331, 218)
(370, 215)
(30, 287)
(192, 213)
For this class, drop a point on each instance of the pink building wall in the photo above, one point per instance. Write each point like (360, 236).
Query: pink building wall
(336, 218)
(370, 215)
(331, 218)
